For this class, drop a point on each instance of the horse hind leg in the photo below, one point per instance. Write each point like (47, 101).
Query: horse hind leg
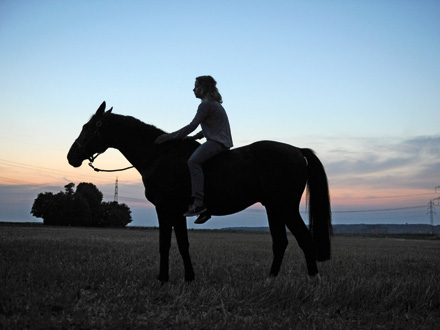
(279, 239)
(304, 238)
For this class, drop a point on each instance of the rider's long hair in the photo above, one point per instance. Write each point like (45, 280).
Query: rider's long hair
(210, 90)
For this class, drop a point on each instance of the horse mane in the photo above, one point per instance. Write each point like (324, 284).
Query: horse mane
(141, 131)
(135, 126)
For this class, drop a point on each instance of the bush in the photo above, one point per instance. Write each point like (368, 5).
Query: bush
(115, 215)
(84, 207)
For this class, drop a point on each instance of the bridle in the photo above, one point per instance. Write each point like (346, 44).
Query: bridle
(92, 158)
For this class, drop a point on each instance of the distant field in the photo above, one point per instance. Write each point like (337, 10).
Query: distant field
(84, 278)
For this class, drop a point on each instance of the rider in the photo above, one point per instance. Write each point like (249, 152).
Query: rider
(215, 128)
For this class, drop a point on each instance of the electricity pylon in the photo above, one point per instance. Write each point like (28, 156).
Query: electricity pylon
(116, 190)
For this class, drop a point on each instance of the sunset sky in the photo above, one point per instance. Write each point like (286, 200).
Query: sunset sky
(357, 81)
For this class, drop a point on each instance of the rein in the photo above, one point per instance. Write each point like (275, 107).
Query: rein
(92, 159)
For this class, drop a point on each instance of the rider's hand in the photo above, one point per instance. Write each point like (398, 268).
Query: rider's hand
(198, 136)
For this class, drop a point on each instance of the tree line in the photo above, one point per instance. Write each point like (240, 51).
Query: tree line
(80, 207)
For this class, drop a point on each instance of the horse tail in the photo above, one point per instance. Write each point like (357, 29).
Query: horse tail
(318, 197)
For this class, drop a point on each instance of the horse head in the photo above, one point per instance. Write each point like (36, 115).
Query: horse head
(90, 141)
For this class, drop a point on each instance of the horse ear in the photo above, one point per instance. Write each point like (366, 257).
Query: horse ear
(109, 110)
(101, 109)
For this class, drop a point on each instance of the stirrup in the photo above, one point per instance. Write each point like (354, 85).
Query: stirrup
(203, 218)
(195, 210)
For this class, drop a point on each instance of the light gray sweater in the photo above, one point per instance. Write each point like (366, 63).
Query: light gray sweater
(214, 121)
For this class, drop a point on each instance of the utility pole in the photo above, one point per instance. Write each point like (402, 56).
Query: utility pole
(431, 211)
(116, 190)
(431, 208)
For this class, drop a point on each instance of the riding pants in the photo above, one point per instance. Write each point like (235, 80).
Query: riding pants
(202, 154)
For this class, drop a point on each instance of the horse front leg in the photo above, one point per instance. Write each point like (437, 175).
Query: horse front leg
(164, 249)
(181, 232)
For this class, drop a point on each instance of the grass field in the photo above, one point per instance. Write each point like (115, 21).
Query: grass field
(83, 278)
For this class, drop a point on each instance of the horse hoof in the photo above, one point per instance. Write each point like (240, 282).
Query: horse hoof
(315, 279)
(162, 280)
(188, 279)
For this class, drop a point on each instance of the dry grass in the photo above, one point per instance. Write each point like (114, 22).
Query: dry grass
(75, 278)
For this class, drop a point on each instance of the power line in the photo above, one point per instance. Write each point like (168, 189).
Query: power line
(393, 196)
(382, 210)
(50, 171)
(53, 171)
(59, 188)
(133, 199)
(29, 184)
(30, 167)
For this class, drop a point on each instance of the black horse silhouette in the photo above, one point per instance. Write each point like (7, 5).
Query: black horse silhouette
(274, 174)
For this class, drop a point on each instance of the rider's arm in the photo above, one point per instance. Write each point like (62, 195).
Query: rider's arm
(183, 132)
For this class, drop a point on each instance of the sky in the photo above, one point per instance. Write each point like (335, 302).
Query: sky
(356, 81)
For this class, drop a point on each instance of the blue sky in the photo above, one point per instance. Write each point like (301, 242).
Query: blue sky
(357, 81)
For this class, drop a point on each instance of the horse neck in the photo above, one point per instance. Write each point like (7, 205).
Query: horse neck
(134, 139)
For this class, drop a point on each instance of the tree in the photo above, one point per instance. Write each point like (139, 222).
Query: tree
(90, 198)
(44, 207)
(69, 188)
(115, 215)
(90, 193)
(84, 207)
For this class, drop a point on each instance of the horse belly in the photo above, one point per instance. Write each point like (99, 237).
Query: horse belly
(284, 176)
(229, 191)
(269, 172)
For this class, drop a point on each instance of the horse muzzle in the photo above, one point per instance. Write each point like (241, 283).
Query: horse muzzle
(76, 155)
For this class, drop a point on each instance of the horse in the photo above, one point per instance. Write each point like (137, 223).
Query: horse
(271, 173)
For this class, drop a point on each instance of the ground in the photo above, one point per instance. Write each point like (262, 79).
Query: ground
(85, 278)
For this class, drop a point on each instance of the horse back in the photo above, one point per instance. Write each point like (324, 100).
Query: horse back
(234, 180)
